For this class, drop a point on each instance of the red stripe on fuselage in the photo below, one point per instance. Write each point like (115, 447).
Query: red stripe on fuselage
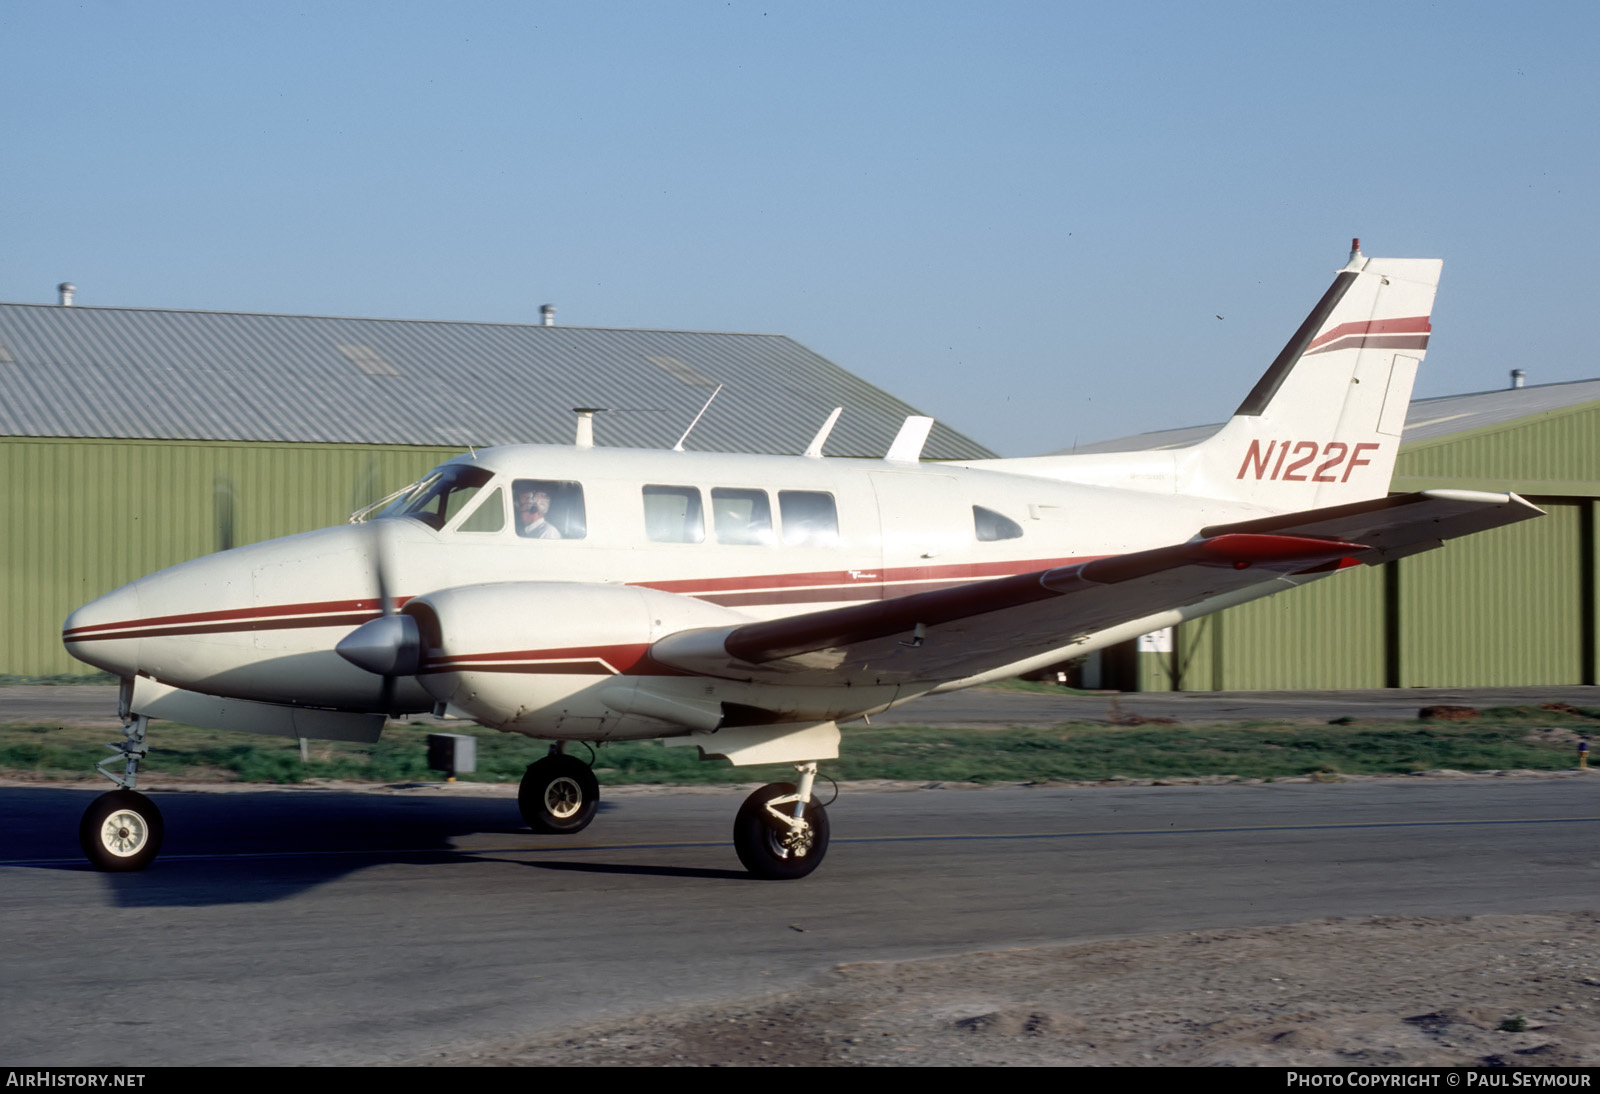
(956, 572)
(299, 622)
(817, 587)
(325, 607)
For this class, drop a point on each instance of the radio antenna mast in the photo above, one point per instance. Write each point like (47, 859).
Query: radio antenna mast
(679, 446)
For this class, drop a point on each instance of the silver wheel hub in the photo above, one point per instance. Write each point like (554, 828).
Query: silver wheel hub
(794, 842)
(563, 798)
(124, 833)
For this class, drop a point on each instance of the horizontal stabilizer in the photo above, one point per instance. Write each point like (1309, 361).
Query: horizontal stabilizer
(1397, 525)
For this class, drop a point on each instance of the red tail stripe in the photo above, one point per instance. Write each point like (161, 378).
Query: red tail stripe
(1416, 324)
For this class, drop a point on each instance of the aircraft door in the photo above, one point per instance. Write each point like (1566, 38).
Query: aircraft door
(926, 528)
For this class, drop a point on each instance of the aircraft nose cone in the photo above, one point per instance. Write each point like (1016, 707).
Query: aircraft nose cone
(103, 632)
(390, 645)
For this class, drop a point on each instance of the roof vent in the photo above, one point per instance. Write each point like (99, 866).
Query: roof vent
(66, 289)
(547, 315)
(1517, 376)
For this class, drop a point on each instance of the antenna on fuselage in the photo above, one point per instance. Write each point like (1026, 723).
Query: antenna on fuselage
(814, 449)
(679, 446)
(908, 442)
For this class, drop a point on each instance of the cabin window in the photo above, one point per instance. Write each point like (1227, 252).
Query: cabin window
(442, 496)
(672, 514)
(489, 516)
(810, 518)
(992, 525)
(741, 517)
(549, 509)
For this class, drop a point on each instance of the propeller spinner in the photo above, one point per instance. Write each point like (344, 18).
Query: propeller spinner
(391, 645)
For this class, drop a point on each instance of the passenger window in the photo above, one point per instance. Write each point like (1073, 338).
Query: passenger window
(742, 517)
(809, 518)
(549, 509)
(490, 516)
(672, 514)
(992, 525)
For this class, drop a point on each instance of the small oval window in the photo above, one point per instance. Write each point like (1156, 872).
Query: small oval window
(992, 525)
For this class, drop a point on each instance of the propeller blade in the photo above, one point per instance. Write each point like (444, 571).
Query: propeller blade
(380, 555)
(391, 645)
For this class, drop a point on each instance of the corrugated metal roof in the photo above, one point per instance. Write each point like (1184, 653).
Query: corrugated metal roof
(231, 376)
(1439, 416)
(1447, 414)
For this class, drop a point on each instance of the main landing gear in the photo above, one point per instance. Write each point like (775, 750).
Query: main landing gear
(559, 794)
(122, 829)
(781, 831)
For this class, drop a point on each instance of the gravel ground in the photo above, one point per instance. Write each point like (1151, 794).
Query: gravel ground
(1473, 991)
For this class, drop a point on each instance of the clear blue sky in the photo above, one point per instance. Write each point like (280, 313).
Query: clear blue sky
(1023, 218)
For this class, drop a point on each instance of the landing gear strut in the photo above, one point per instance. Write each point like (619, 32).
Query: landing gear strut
(559, 795)
(122, 830)
(781, 832)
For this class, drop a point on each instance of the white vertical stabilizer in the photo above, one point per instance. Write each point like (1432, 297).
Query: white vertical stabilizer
(1321, 427)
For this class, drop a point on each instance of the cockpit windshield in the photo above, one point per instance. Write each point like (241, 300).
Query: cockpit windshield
(440, 495)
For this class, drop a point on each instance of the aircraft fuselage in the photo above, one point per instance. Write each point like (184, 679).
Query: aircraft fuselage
(646, 543)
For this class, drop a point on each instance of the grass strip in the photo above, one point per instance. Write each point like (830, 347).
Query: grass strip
(1514, 738)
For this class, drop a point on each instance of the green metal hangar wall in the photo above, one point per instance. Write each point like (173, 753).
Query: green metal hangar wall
(1515, 606)
(133, 439)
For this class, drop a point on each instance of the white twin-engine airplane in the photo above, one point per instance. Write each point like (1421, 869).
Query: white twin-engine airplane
(747, 605)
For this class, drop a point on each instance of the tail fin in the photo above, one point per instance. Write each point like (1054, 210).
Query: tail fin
(1322, 426)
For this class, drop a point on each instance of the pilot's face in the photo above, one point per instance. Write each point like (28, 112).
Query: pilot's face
(532, 504)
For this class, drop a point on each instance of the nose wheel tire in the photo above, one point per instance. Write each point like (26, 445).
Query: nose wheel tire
(559, 795)
(121, 831)
(768, 847)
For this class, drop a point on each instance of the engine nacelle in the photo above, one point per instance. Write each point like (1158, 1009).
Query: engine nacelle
(536, 657)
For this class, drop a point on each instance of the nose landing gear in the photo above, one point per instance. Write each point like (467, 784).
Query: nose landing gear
(122, 830)
(559, 795)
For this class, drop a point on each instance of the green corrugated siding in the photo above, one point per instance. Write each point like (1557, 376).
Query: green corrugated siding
(1498, 608)
(1328, 634)
(85, 516)
(1555, 453)
(1590, 591)
(1188, 666)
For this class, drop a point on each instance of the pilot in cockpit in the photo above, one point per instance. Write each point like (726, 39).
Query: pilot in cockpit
(533, 513)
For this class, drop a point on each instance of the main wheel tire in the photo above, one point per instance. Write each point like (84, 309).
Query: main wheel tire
(559, 795)
(121, 831)
(770, 849)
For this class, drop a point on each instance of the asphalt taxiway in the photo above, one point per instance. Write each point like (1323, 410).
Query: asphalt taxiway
(338, 927)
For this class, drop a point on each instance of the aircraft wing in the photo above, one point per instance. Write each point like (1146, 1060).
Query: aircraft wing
(950, 634)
